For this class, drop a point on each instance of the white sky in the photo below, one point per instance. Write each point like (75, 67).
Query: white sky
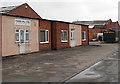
(71, 10)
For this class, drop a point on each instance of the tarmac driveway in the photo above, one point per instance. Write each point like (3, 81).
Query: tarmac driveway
(106, 70)
(54, 66)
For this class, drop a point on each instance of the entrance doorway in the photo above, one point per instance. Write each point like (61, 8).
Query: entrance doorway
(72, 43)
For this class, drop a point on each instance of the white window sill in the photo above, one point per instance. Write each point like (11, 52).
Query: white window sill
(43, 42)
(17, 41)
(84, 40)
(64, 41)
(23, 42)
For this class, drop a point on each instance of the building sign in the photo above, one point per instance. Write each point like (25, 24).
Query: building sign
(22, 22)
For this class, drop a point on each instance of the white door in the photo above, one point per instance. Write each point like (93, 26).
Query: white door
(72, 43)
(22, 41)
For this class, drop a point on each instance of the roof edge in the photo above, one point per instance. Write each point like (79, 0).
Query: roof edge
(6, 14)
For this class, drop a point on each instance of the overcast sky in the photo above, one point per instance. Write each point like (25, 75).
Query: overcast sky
(71, 10)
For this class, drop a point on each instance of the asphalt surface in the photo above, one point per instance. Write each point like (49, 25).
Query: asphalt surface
(103, 71)
(54, 66)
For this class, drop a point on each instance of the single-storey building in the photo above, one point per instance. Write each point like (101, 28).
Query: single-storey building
(85, 34)
(66, 34)
(44, 35)
(60, 35)
(75, 35)
(19, 30)
(23, 31)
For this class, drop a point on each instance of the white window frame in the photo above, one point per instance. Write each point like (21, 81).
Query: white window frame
(85, 36)
(46, 36)
(18, 33)
(24, 35)
(61, 35)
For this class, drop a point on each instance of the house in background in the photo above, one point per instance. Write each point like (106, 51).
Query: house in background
(19, 30)
(97, 27)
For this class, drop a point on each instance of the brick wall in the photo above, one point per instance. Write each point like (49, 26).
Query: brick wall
(56, 35)
(112, 25)
(24, 10)
(93, 33)
(85, 28)
(47, 26)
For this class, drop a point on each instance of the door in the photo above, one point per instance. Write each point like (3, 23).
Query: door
(72, 38)
(22, 41)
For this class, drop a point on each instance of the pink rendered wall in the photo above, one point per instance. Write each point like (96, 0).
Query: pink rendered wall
(78, 37)
(9, 46)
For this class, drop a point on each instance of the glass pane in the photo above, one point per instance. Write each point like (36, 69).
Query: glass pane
(17, 30)
(62, 36)
(42, 36)
(46, 35)
(17, 36)
(27, 36)
(27, 31)
(65, 35)
(22, 35)
(73, 35)
(82, 35)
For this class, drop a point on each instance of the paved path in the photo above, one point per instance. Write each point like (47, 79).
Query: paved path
(54, 66)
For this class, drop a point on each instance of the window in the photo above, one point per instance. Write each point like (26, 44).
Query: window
(64, 36)
(17, 35)
(26, 35)
(43, 36)
(83, 35)
(22, 35)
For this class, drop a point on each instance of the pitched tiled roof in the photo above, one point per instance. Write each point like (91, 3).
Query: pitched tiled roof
(94, 23)
(16, 10)
(7, 9)
(115, 24)
(99, 26)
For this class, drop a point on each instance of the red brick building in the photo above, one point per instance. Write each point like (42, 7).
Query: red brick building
(45, 34)
(99, 26)
(60, 35)
(85, 34)
(21, 10)
(22, 30)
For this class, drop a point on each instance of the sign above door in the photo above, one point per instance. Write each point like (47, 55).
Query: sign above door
(22, 22)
